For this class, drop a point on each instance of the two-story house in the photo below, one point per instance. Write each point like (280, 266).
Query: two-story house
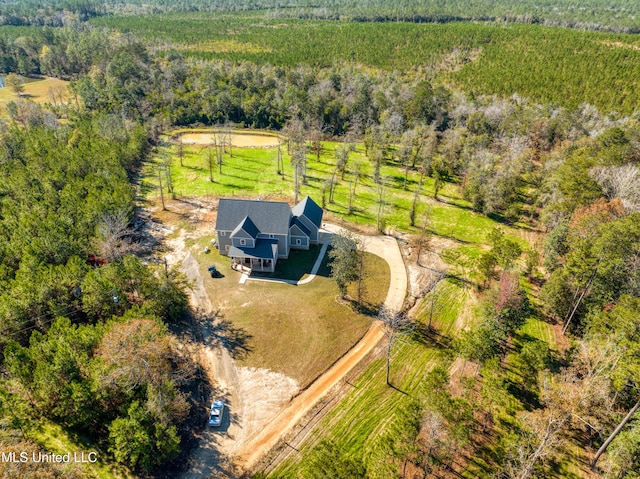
(255, 233)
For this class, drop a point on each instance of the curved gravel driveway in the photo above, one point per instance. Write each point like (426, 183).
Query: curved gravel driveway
(387, 248)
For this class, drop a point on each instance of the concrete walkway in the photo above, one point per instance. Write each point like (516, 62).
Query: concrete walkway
(316, 266)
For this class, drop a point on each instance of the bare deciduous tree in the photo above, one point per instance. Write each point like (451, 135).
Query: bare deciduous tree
(424, 239)
(381, 223)
(208, 155)
(165, 162)
(115, 236)
(279, 157)
(620, 182)
(218, 144)
(228, 136)
(299, 161)
(181, 149)
(15, 83)
(433, 443)
(394, 325)
(574, 395)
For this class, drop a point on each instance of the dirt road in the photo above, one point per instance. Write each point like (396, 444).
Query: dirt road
(260, 410)
(387, 248)
(252, 396)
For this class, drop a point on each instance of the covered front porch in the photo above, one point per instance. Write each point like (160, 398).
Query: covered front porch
(262, 258)
(248, 265)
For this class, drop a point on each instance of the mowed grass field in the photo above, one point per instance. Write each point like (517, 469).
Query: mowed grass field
(296, 330)
(37, 90)
(252, 172)
(358, 422)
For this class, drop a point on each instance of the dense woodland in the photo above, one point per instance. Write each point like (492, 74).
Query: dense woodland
(66, 195)
(88, 347)
(547, 65)
(615, 15)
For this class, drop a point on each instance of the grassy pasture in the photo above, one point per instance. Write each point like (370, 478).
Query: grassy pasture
(37, 90)
(252, 172)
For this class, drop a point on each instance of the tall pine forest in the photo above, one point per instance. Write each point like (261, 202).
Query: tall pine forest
(522, 116)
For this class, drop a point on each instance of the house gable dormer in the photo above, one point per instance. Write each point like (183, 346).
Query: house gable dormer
(254, 234)
(245, 234)
(310, 215)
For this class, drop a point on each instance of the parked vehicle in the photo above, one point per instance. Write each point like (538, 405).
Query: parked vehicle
(215, 416)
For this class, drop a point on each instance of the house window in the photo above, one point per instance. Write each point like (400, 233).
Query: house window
(226, 247)
(298, 242)
(223, 233)
(243, 242)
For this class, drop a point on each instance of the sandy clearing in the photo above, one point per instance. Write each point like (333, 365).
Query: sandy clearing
(39, 91)
(238, 140)
(252, 396)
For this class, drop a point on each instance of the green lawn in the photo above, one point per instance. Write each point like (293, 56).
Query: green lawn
(252, 172)
(295, 330)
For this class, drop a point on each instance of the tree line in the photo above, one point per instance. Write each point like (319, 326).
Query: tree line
(617, 15)
(84, 337)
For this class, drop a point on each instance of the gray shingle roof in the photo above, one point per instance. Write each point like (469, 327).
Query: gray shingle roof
(295, 221)
(248, 227)
(270, 217)
(265, 249)
(310, 209)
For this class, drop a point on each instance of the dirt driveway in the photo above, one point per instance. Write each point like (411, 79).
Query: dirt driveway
(387, 248)
(260, 409)
(252, 396)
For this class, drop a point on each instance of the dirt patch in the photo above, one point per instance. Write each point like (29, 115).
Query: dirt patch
(620, 45)
(238, 140)
(253, 397)
(425, 274)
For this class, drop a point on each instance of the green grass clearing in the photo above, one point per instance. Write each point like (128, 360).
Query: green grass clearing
(252, 173)
(295, 330)
(54, 438)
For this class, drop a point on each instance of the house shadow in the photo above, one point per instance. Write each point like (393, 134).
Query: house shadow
(297, 265)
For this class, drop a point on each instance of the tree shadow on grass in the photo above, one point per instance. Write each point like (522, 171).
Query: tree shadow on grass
(364, 308)
(218, 331)
(423, 334)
